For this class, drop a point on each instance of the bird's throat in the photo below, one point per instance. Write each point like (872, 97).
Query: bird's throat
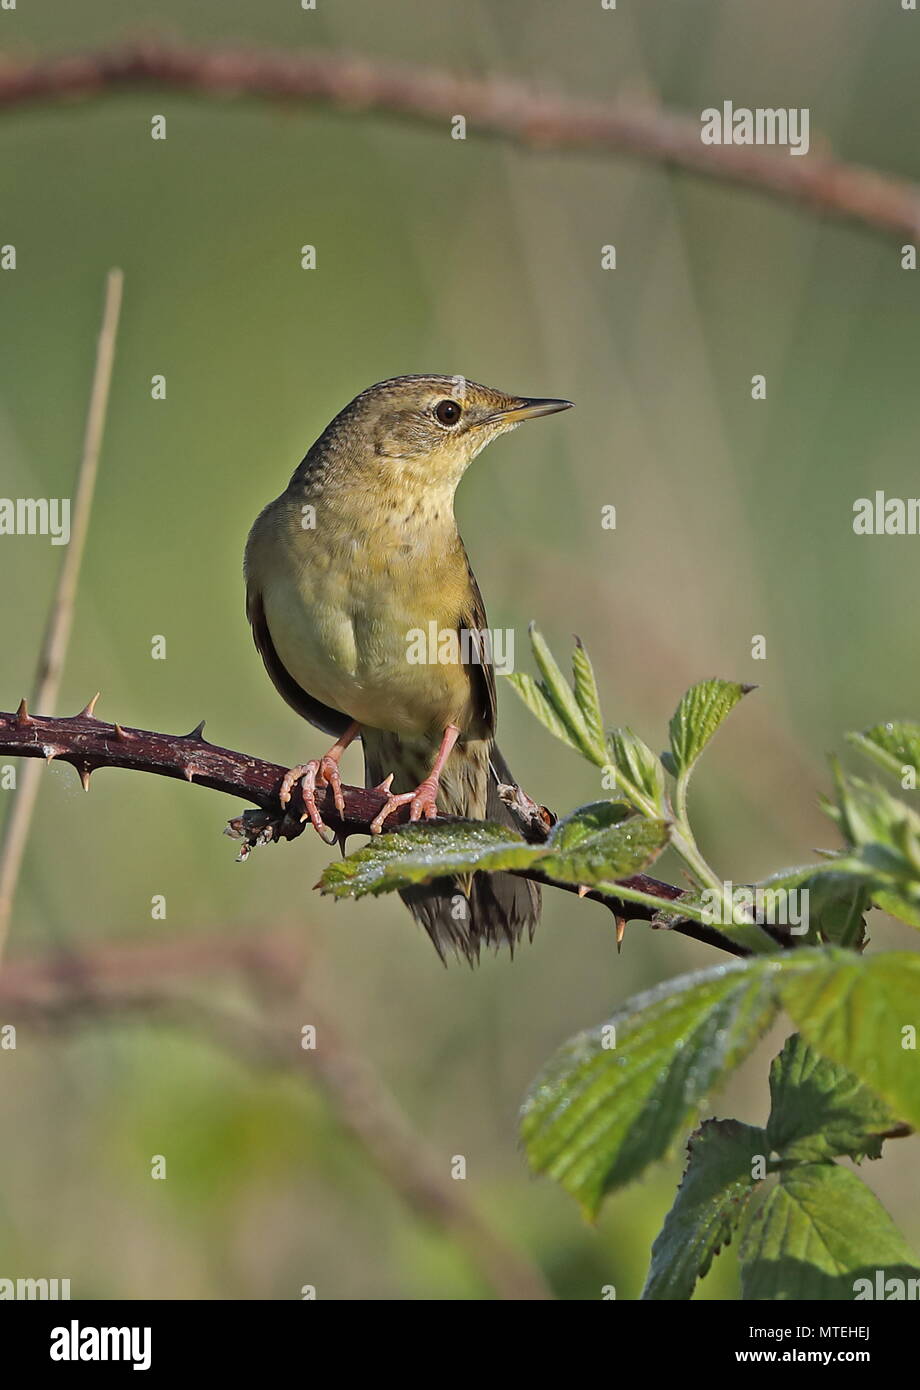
(413, 518)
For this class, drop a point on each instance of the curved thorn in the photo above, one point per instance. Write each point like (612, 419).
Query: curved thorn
(197, 732)
(121, 734)
(22, 715)
(85, 775)
(87, 710)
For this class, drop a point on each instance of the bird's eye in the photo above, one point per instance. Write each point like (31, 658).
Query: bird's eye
(448, 412)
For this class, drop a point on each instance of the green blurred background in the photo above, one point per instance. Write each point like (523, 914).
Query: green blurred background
(734, 519)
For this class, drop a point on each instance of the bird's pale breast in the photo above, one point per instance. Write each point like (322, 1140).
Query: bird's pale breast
(341, 607)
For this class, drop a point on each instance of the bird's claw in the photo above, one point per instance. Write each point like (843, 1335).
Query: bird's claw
(315, 776)
(422, 802)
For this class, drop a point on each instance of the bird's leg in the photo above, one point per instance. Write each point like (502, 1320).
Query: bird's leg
(314, 776)
(423, 800)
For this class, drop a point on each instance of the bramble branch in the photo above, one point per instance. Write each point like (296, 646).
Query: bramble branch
(88, 743)
(496, 106)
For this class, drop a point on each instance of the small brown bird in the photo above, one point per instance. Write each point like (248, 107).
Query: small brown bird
(358, 556)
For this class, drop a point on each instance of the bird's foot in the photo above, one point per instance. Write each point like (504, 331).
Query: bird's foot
(315, 776)
(422, 802)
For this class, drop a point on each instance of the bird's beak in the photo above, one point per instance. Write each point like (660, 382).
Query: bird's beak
(528, 408)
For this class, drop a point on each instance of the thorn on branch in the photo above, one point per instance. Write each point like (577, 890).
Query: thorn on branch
(87, 710)
(22, 715)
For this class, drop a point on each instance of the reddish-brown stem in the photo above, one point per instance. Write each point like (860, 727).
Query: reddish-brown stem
(495, 106)
(88, 743)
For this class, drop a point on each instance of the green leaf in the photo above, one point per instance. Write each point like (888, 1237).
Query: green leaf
(697, 718)
(536, 698)
(560, 695)
(614, 1099)
(815, 1234)
(587, 821)
(637, 766)
(837, 908)
(602, 842)
(885, 837)
(595, 844)
(830, 900)
(586, 694)
(417, 853)
(820, 1110)
(862, 1012)
(896, 905)
(895, 746)
(708, 1208)
(871, 818)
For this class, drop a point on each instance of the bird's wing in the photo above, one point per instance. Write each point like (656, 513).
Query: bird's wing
(324, 717)
(481, 673)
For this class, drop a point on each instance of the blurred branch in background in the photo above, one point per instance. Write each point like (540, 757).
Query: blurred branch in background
(151, 982)
(60, 618)
(87, 744)
(492, 106)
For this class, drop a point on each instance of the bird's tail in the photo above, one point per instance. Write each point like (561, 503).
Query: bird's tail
(463, 915)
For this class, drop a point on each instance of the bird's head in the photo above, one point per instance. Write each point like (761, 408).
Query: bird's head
(422, 430)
